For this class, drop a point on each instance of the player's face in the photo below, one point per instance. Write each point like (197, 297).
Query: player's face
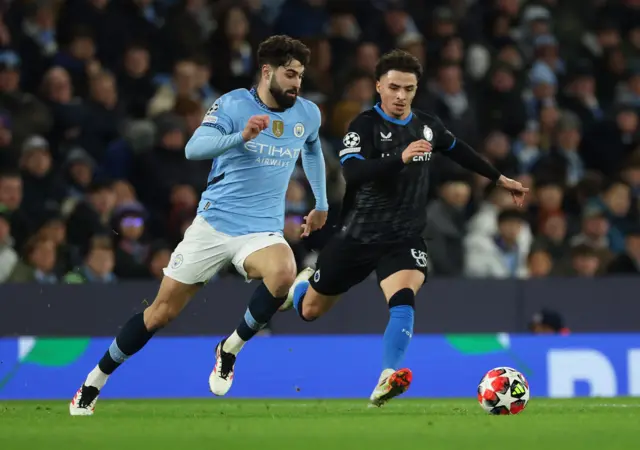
(397, 90)
(285, 82)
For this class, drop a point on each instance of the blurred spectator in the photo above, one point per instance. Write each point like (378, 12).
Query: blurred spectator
(28, 115)
(8, 256)
(97, 266)
(583, 261)
(616, 202)
(135, 82)
(92, 216)
(501, 107)
(67, 110)
(548, 321)
(38, 262)
(539, 263)
(553, 237)
(498, 256)
(628, 263)
(446, 228)
(183, 84)
(43, 188)
(132, 251)
(563, 162)
(234, 64)
(594, 233)
(485, 221)
(67, 255)
(159, 256)
(11, 195)
(104, 116)
(527, 147)
(80, 169)
(158, 170)
(549, 196)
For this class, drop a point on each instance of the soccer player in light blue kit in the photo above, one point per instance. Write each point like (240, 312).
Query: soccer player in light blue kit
(254, 138)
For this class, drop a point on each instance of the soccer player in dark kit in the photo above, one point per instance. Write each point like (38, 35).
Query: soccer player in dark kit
(385, 159)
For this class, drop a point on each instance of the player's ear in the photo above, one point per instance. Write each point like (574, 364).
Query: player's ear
(378, 87)
(266, 71)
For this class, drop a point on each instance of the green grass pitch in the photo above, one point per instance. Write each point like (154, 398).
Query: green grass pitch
(425, 424)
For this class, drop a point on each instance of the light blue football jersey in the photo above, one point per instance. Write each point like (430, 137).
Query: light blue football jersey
(247, 184)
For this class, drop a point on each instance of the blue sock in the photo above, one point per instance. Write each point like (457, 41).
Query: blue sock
(399, 330)
(298, 295)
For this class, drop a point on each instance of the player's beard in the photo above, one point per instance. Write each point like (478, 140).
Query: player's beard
(281, 96)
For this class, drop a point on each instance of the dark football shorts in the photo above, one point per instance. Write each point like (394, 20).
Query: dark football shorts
(344, 262)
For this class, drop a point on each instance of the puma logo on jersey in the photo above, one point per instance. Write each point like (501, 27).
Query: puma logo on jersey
(385, 137)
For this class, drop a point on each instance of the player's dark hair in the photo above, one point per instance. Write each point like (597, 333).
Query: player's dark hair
(280, 50)
(398, 60)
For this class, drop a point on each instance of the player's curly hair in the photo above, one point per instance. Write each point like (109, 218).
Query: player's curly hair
(280, 50)
(398, 60)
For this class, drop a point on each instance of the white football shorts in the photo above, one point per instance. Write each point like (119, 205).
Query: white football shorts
(204, 251)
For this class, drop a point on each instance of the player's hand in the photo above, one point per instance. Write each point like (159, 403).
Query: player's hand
(417, 148)
(517, 190)
(314, 221)
(254, 126)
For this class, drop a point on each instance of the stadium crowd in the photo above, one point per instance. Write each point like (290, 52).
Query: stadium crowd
(99, 97)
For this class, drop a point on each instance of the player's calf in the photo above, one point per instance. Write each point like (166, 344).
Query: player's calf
(309, 303)
(276, 266)
(134, 335)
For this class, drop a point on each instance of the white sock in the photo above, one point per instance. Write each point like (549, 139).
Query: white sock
(233, 344)
(97, 378)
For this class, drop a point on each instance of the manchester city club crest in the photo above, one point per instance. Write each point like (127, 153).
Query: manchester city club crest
(298, 130)
(428, 133)
(277, 128)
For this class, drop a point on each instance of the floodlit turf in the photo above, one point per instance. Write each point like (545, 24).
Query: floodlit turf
(328, 425)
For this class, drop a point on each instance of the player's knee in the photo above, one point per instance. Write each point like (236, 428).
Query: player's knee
(404, 297)
(311, 311)
(280, 279)
(160, 314)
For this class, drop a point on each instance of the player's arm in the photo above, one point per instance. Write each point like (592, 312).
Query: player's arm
(462, 153)
(313, 165)
(467, 157)
(357, 164)
(215, 135)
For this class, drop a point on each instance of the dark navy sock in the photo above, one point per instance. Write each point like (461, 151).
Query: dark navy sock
(133, 336)
(399, 330)
(262, 307)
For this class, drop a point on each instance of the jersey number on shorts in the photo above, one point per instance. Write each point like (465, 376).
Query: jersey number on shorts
(420, 257)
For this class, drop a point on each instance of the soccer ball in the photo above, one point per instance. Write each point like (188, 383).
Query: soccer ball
(502, 391)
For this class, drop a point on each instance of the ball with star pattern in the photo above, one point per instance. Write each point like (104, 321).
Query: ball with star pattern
(503, 391)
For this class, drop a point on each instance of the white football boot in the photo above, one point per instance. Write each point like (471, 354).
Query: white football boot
(221, 377)
(84, 402)
(391, 384)
(302, 276)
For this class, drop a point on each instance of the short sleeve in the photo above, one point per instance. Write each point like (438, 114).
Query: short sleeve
(357, 143)
(219, 116)
(445, 140)
(316, 121)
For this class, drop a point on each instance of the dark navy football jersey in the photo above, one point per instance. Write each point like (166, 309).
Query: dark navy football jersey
(391, 207)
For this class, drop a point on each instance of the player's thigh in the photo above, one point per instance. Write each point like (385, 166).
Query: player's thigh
(201, 254)
(341, 265)
(404, 266)
(268, 257)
